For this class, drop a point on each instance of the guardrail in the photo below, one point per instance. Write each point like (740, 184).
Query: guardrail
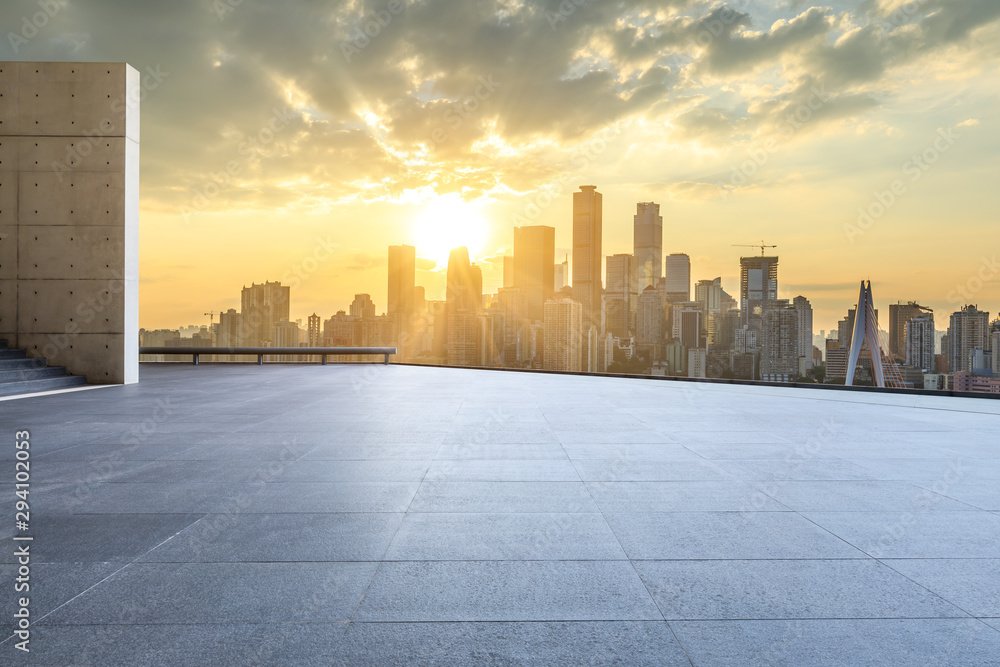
(261, 352)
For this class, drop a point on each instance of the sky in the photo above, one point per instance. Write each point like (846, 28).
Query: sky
(295, 141)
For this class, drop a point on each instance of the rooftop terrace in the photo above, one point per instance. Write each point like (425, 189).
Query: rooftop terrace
(400, 515)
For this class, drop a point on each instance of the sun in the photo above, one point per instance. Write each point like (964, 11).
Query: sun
(445, 223)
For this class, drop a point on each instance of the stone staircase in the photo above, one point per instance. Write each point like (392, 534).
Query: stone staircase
(21, 375)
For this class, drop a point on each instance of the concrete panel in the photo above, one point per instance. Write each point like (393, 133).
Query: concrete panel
(65, 99)
(70, 253)
(98, 356)
(74, 198)
(8, 311)
(63, 155)
(8, 189)
(69, 214)
(8, 252)
(60, 306)
(8, 98)
(130, 372)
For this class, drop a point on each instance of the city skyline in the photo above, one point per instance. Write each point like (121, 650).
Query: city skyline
(755, 121)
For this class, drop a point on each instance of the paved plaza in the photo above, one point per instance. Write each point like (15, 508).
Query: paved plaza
(399, 515)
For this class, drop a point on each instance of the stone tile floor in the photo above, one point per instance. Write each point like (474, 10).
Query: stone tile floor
(240, 515)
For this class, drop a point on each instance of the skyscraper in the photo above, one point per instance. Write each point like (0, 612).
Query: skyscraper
(534, 266)
(562, 274)
(919, 346)
(263, 306)
(563, 335)
(758, 284)
(620, 297)
(314, 333)
(804, 311)
(677, 274)
(647, 237)
(402, 267)
(588, 252)
(463, 304)
(650, 320)
(899, 315)
(363, 307)
(780, 340)
(230, 329)
(970, 328)
(508, 270)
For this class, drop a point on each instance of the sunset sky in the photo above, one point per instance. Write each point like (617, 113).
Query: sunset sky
(458, 120)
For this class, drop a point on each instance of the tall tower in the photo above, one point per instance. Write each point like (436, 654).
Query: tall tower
(402, 268)
(804, 311)
(647, 238)
(678, 278)
(758, 284)
(314, 334)
(621, 296)
(970, 329)
(263, 306)
(920, 342)
(899, 315)
(462, 306)
(588, 252)
(534, 267)
(363, 307)
(563, 336)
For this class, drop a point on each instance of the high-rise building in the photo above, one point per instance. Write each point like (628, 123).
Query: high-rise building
(363, 307)
(919, 336)
(758, 284)
(647, 236)
(620, 297)
(805, 329)
(681, 313)
(561, 274)
(970, 328)
(689, 324)
(263, 306)
(508, 271)
(677, 277)
(314, 332)
(995, 348)
(342, 330)
(715, 303)
(779, 353)
(650, 321)
(899, 315)
(464, 325)
(230, 329)
(563, 335)
(402, 268)
(697, 363)
(588, 252)
(509, 304)
(286, 334)
(534, 267)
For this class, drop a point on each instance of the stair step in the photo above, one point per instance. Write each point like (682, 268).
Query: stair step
(13, 354)
(45, 384)
(19, 364)
(18, 374)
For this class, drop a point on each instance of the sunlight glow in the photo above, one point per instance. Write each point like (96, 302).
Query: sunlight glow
(448, 222)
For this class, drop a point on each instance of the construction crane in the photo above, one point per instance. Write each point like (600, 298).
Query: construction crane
(211, 319)
(760, 245)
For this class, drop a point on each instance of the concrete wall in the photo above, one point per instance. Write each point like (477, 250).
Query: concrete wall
(69, 215)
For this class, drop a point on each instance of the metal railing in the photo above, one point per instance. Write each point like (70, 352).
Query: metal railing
(261, 352)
